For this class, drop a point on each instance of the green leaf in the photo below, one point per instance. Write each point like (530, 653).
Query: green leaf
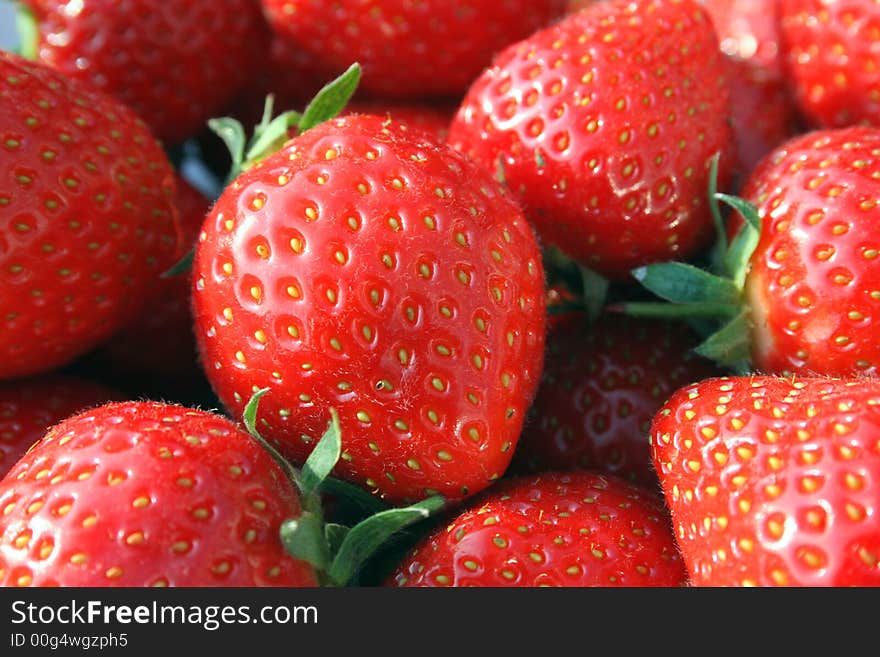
(680, 282)
(334, 535)
(748, 211)
(182, 266)
(731, 344)
(28, 31)
(351, 494)
(233, 135)
(740, 253)
(268, 139)
(249, 418)
(323, 457)
(304, 539)
(369, 535)
(332, 99)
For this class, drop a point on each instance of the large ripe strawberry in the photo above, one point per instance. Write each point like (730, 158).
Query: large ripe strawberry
(29, 407)
(160, 340)
(147, 494)
(604, 126)
(774, 481)
(603, 381)
(431, 48)
(552, 529)
(367, 268)
(803, 294)
(175, 62)
(87, 215)
(830, 54)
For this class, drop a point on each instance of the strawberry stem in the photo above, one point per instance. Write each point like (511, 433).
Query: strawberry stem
(28, 31)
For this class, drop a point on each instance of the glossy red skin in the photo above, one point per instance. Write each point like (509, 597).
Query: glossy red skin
(773, 481)
(161, 341)
(432, 118)
(89, 224)
(609, 168)
(398, 299)
(149, 494)
(432, 48)
(748, 30)
(812, 278)
(831, 62)
(602, 384)
(28, 408)
(175, 62)
(551, 529)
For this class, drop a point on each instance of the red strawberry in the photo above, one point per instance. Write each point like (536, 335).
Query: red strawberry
(432, 118)
(175, 62)
(813, 284)
(409, 49)
(603, 382)
(828, 47)
(161, 341)
(576, 529)
(800, 290)
(367, 268)
(604, 126)
(30, 406)
(87, 214)
(748, 30)
(147, 494)
(773, 481)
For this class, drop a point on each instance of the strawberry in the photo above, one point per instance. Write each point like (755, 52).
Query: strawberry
(434, 118)
(764, 114)
(603, 381)
(161, 341)
(552, 529)
(147, 494)
(175, 62)
(431, 48)
(831, 60)
(804, 283)
(773, 481)
(86, 204)
(29, 407)
(603, 125)
(367, 268)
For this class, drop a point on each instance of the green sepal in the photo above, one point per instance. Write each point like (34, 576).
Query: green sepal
(748, 211)
(729, 346)
(28, 31)
(334, 535)
(683, 283)
(353, 495)
(323, 457)
(304, 538)
(367, 536)
(682, 311)
(715, 210)
(738, 256)
(594, 288)
(331, 99)
(269, 134)
(232, 133)
(182, 266)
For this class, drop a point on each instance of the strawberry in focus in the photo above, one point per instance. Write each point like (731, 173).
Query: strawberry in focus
(773, 481)
(29, 407)
(366, 268)
(174, 62)
(89, 224)
(604, 125)
(552, 529)
(147, 494)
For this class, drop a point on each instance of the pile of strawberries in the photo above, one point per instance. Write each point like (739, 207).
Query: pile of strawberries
(476, 293)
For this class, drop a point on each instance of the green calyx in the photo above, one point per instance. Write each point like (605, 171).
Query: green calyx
(335, 551)
(712, 301)
(28, 31)
(272, 132)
